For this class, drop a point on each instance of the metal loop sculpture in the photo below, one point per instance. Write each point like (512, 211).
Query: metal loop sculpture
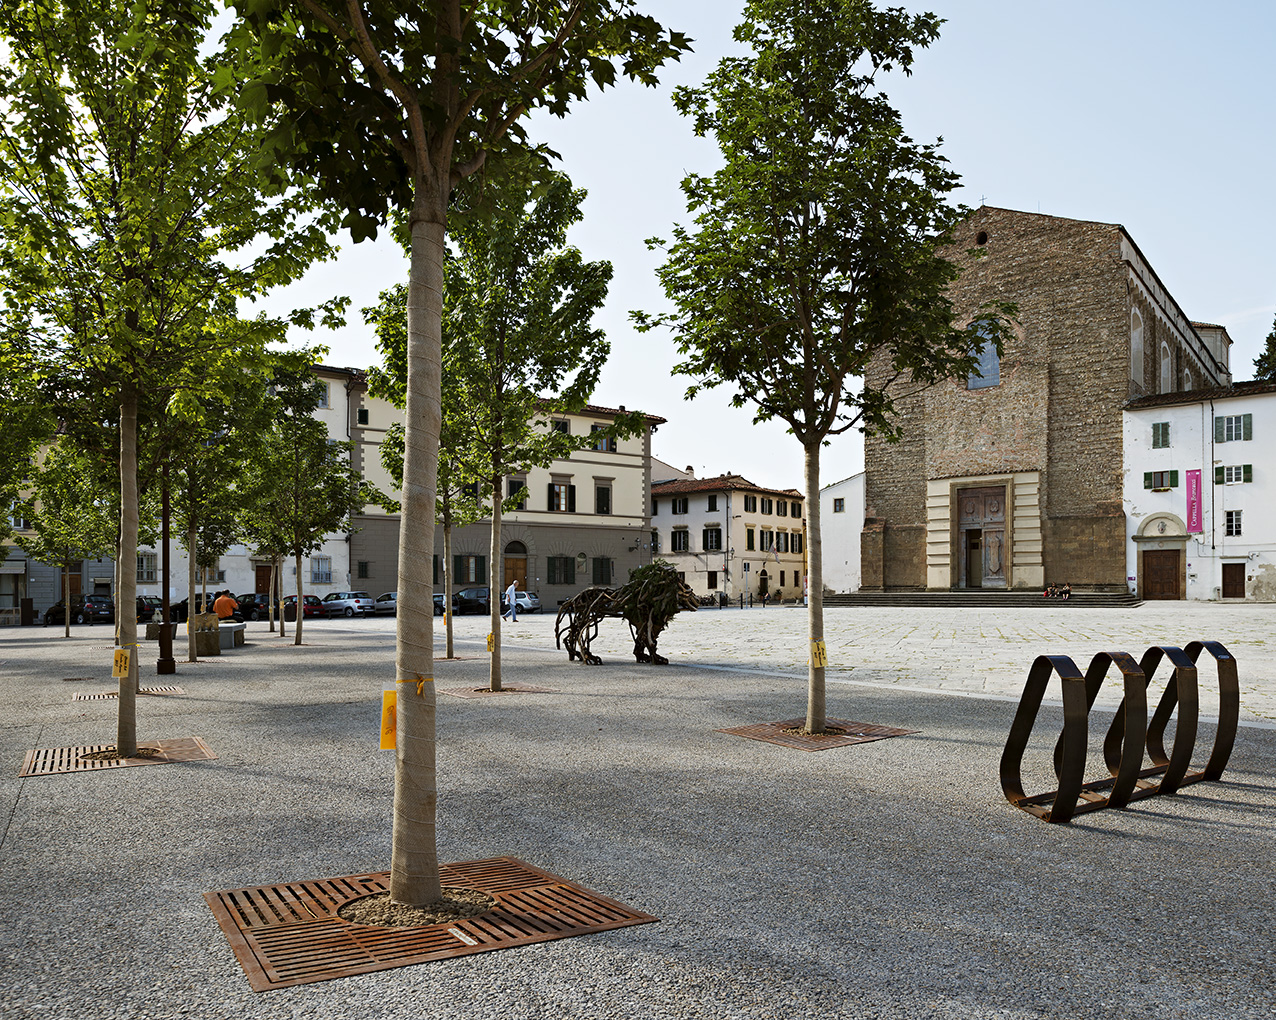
(1128, 735)
(647, 603)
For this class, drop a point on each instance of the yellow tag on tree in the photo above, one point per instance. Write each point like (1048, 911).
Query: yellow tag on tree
(389, 701)
(120, 667)
(819, 654)
(491, 642)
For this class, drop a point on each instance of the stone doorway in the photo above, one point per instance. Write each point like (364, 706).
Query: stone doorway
(516, 565)
(981, 532)
(1161, 574)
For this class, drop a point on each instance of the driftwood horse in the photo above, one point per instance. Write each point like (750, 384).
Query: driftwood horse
(648, 603)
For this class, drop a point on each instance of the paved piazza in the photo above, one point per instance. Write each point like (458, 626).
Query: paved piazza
(965, 652)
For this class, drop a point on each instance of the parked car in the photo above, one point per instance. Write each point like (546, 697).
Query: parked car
(84, 609)
(527, 602)
(311, 605)
(440, 604)
(348, 603)
(471, 600)
(256, 606)
(387, 603)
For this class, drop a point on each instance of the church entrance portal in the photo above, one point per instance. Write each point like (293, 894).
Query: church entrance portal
(981, 526)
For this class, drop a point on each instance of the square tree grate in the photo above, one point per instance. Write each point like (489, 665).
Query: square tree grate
(839, 733)
(108, 695)
(486, 692)
(48, 761)
(290, 934)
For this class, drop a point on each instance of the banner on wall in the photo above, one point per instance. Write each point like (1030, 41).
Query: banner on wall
(1194, 525)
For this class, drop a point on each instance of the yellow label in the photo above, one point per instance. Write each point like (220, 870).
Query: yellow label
(491, 642)
(819, 654)
(389, 700)
(120, 666)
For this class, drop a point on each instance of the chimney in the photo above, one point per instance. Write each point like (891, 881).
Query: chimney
(691, 472)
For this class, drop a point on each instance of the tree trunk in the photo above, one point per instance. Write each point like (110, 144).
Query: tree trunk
(494, 589)
(815, 589)
(165, 662)
(414, 863)
(283, 630)
(192, 647)
(270, 597)
(301, 604)
(447, 586)
(126, 611)
(66, 597)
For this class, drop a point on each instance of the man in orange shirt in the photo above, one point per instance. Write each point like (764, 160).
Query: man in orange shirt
(225, 606)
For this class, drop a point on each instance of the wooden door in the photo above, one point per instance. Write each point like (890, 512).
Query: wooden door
(263, 579)
(1161, 574)
(1233, 580)
(516, 570)
(981, 523)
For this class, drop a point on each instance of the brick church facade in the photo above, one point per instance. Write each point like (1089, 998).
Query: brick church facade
(1014, 478)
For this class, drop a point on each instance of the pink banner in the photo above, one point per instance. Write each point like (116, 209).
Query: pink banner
(1194, 525)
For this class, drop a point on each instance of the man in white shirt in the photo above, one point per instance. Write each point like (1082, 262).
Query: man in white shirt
(511, 606)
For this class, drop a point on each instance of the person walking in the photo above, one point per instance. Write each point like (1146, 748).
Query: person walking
(511, 603)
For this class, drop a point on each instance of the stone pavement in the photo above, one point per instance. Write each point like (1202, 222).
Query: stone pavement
(888, 880)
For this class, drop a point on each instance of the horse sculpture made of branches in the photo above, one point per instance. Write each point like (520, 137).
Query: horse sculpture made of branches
(647, 603)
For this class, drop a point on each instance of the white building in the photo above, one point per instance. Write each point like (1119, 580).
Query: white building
(1200, 496)
(841, 522)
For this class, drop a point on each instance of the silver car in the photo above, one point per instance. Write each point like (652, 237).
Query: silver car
(387, 603)
(347, 603)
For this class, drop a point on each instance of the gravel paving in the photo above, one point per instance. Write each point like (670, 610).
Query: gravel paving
(884, 880)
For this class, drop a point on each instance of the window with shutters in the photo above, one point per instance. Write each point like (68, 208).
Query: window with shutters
(655, 542)
(782, 541)
(1226, 475)
(712, 502)
(768, 505)
(1160, 479)
(795, 509)
(561, 425)
(797, 542)
(768, 541)
(711, 579)
(562, 497)
(749, 539)
(750, 504)
(560, 570)
(602, 570)
(513, 487)
(679, 505)
(602, 499)
(782, 508)
(1232, 523)
(1233, 428)
(679, 540)
(1160, 435)
(712, 539)
(469, 569)
(362, 416)
(605, 444)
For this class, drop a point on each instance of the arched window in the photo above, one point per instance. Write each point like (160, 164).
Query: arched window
(1187, 380)
(1167, 370)
(516, 549)
(987, 370)
(1136, 347)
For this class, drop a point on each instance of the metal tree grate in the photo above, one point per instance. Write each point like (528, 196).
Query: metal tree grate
(290, 934)
(848, 733)
(484, 692)
(48, 761)
(107, 695)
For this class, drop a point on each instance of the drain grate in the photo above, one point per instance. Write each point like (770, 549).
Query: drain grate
(484, 692)
(290, 934)
(48, 761)
(107, 695)
(850, 733)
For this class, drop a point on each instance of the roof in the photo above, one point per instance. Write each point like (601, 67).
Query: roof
(1252, 388)
(719, 483)
(595, 409)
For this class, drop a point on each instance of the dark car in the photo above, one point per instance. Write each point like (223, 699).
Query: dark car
(181, 610)
(84, 609)
(311, 605)
(256, 606)
(440, 604)
(472, 600)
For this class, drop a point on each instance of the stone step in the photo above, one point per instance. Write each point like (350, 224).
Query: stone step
(984, 599)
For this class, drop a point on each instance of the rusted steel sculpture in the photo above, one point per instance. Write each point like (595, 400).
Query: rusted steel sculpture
(1129, 734)
(647, 603)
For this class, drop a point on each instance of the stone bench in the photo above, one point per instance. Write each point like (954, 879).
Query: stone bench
(153, 630)
(231, 635)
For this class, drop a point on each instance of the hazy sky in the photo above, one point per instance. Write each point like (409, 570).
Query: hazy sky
(1155, 115)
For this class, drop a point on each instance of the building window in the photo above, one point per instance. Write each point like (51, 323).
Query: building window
(797, 542)
(679, 505)
(470, 491)
(1233, 523)
(602, 499)
(1234, 473)
(782, 508)
(320, 570)
(1167, 369)
(562, 497)
(146, 568)
(605, 444)
(1160, 435)
(561, 425)
(795, 509)
(602, 570)
(987, 370)
(711, 579)
(1160, 479)
(1187, 380)
(655, 542)
(18, 517)
(322, 389)
(469, 569)
(750, 504)
(513, 487)
(1233, 428)
(768, 505)
(682, 577)
(655, 507)
(713, 502)
(748, 539)
(361, 571)
(781, 578)
(680, 540)
(560, 570)
(782, 541)
(768, 540)
(839, 505)
(712, 539)
(1136, 347)
(361, 416)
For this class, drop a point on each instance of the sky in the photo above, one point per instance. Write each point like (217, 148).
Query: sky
(1155, 115)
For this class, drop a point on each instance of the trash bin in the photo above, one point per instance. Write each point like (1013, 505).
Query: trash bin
(290, 613)
(26, 610)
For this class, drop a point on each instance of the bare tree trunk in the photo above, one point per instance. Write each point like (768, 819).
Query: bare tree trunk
(66, 597)
(192, 647)
(494, 592)
(447, 587)
(270, 597)
(126, 612)
(815, 586)
(414, 863)
(301, 604)
(283, 632)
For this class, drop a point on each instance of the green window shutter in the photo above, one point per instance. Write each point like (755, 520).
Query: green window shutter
(571, 499)
(552, 571)
(549, 500)
(1218, 476)
(1147, 479)
(1174, 479)
(436, 568)
(1219, 434)
(458, 569)
(480, 570)
(569, 570)
(1247, 426)
(1247, 472)
(598, 571)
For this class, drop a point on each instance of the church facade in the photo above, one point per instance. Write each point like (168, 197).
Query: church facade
(1014, 477)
